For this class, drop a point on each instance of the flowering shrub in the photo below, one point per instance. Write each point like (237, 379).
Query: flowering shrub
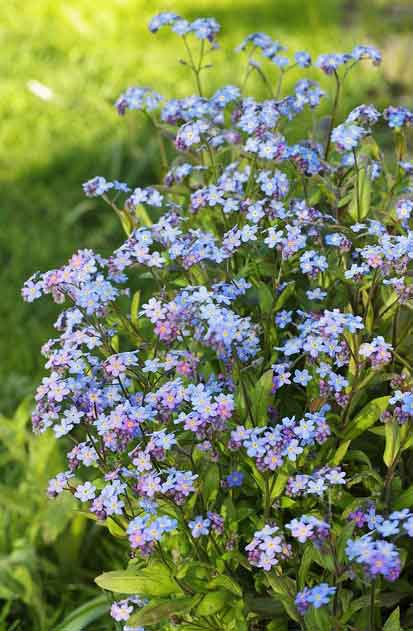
(235, 382)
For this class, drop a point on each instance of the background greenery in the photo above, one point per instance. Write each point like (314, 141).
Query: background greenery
(62, 65)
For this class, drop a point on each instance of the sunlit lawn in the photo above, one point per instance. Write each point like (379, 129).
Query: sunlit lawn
(63, 63)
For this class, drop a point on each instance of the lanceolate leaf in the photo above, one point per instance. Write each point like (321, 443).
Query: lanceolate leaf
(262, 398)
(210, 483)
(284, 296)
(227, 583)
(393, 621)
(366, 418)
(213, 602)
(151, 581)
(404, 500)
(161, 610)
(392, 435)
(341, 452)
(80, 618)
(285, 589)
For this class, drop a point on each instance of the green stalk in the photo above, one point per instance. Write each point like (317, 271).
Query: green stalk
(333, 114)
(357, 185)
(267, 498)
(372, 622)
(196, 69)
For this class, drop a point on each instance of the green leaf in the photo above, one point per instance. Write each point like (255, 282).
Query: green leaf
(389, 307)
(279, 486)
(153, 580)
(262, 398)
(344, 535)
(237, 624)
(356, 455)
(406, 436)
(233, 618)
(324, 560)
(393, 621)
(369, 318)
(161, 610)
(407, 443)
(56, 517)
(211, 483)
(212, 603)
(257, 475)
(284, 296)
(285, 589)
(134, 308)
(114, 528)
(143, 216)
(356, 605)
(22, 414)
(268, 607)
(366, 418)
(345, 200)
(228, 112)
(364, 195)
(226, 583)
(318, 620)
(126, 221)
(265, 297)
(306, 560)
(228, 510)
(405, 500)
(341, 452)
(392, 437)
(278, 625)
(283, 585)
(81, 617)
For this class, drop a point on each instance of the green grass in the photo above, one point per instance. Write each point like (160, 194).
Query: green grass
(86, 53)
(49, 554)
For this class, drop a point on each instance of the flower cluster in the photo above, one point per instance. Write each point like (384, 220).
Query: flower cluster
(322, 339)
(308, 527)
(121, 610)
(202, 28)
(372, 551)
(270, 447)
(144, 533)
(203, 315)
(376, 556)
(317, 483)
(314, 597)
(267, 548)
(217, 379)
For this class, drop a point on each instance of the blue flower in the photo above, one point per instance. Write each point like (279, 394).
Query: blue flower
(302, 377)
(235, 479)
(199, 526)
(303, 59)
(320, 595)
(347, 136)
(316, 294)
(388, 527)
(96, 187)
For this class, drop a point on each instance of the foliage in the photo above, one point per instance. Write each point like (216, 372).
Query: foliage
(58, 123)
(43, 570)
(222, 375)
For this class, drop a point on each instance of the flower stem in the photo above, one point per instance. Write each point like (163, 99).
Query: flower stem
(333, 114)
(372, 622)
